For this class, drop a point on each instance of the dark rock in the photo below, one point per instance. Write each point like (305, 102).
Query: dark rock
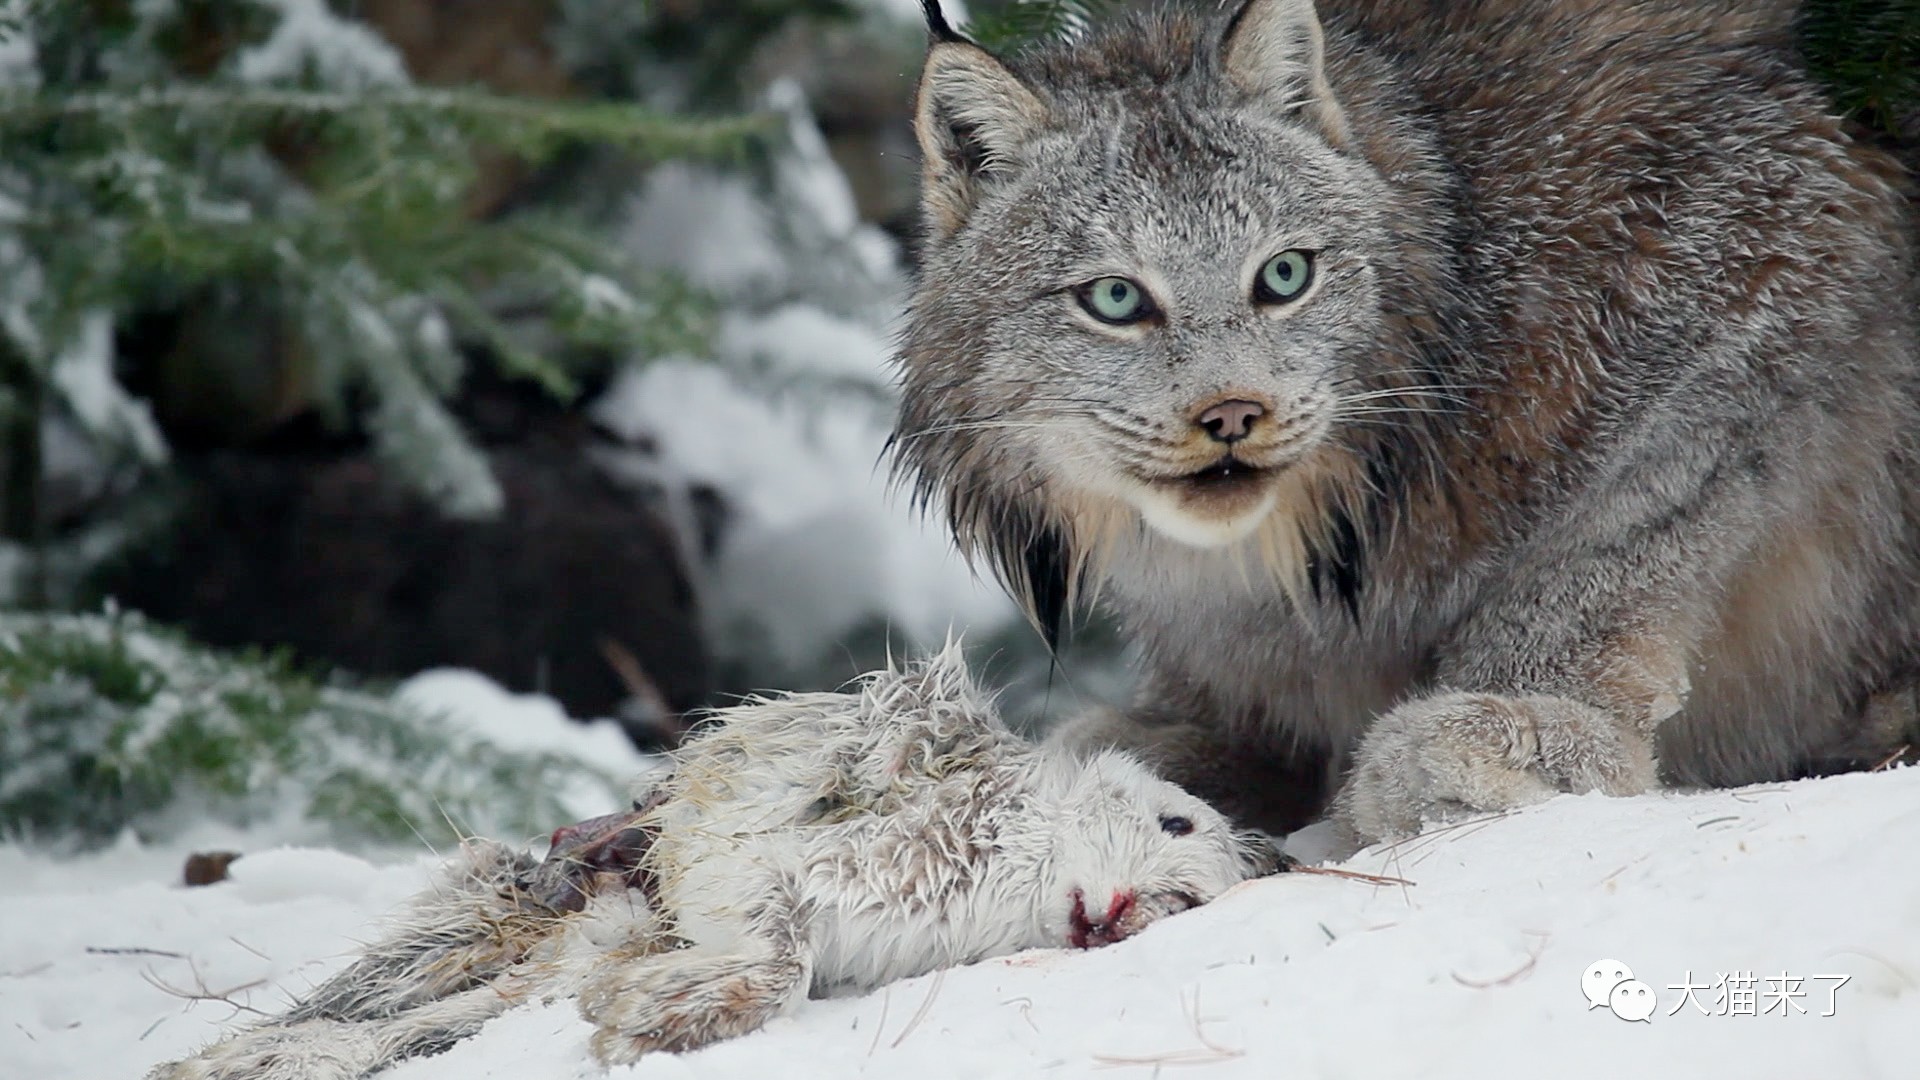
(578, 590)
(207, 867)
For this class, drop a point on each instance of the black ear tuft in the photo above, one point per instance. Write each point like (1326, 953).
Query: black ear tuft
(937, 24)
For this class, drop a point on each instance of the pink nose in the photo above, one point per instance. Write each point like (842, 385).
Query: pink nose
(1230, 421)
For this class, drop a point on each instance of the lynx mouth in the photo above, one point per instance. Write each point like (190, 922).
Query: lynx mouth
(1222, 487)
(1208, 507)
(1227, 474)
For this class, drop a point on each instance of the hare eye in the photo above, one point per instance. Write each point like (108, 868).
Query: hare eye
(1283, 277)
(1115, 300)
(1178, 826)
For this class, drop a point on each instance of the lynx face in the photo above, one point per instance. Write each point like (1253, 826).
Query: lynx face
(1212, 385)
(1086, 352)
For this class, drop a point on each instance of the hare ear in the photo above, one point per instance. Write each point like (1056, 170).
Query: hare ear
(1276, 51)
(971, 116)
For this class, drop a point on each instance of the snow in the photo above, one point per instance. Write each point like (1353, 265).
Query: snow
(789, 417)
(1473, 970)
(602, 295)
(817, 538)
(706, 224)
(311, 39)
(83, 375)
(475, 705)
(909, 10)
(414, 432)
(19, 55)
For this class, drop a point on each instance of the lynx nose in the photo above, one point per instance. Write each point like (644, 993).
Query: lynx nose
(1230, 421)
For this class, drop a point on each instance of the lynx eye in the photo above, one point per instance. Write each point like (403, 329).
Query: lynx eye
(1283, 277)
(1178, 826)
(1115, 300)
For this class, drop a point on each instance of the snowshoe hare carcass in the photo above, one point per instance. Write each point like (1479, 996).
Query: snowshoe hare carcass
(801, 843)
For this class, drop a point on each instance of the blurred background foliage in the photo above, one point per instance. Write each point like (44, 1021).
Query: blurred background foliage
(1868, 54)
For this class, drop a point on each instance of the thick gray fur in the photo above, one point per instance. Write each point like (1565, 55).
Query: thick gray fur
(1589, 457)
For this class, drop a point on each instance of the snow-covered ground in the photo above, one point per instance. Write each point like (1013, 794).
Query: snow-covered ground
(1475, 969)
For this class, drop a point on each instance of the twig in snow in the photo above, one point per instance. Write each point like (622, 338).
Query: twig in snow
(250, 948)
(1427, 839)
(1888, 761)
(1208, 1052)
(660, 719)
(920, 1013)
(1521, 972)
(1354, 875)
(202, 992)
(1026, 1011)
(1394, 852)
(132, 950)
(886, 998)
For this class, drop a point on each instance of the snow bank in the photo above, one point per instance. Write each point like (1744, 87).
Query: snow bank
(789, 418)
(19, 55)
(470, 702)
(310, 39)
(1474, 970)
(474, 705)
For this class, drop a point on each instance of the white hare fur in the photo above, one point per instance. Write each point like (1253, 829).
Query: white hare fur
(802, 844)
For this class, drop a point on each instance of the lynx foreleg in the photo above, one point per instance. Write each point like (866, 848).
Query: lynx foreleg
(1561, 681)
(1454, 754)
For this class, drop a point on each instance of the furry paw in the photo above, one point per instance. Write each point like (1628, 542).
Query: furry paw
(685, 1000)
(1455, 754)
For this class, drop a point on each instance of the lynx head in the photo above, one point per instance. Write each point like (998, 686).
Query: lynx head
(1151, 299)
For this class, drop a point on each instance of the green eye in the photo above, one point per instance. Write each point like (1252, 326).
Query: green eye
(1283, 277)
(1115, 300)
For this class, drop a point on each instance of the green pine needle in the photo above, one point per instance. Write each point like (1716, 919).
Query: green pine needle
(1868, 54)
(108, 723)
(341, 203)
(1016, 24)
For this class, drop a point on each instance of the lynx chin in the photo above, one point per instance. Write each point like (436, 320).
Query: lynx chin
(800, 844)
(1455, 403)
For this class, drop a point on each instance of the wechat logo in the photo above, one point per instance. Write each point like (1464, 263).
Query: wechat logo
(1610, 984)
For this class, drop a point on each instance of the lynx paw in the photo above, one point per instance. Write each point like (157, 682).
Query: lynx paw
(1456, 754)
(683, 1001)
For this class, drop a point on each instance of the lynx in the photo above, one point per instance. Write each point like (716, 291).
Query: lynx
(1455, 404)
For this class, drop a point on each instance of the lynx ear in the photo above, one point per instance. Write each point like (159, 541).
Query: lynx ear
(971, 116)
(1275, 50)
